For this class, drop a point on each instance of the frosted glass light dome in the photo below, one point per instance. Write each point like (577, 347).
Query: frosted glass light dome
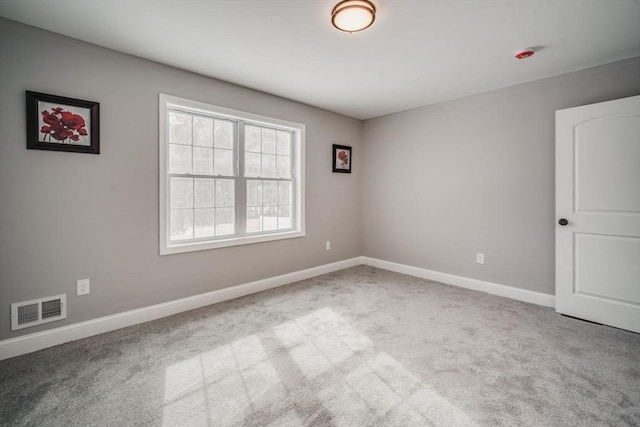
(353, 15)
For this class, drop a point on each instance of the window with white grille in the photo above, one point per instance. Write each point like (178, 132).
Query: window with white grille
(227, 177)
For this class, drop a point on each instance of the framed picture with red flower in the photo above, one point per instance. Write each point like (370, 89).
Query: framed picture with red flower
(341, 158)
(62, 124)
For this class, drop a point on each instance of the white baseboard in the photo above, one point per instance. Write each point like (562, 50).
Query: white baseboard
(465, 282)
(49, 338)
(37, 341)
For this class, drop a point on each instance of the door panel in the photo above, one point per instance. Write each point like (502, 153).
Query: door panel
(601, 267)
(606, 158)
(598, 192)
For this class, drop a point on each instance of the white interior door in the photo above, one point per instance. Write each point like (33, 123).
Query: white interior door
(598, 200)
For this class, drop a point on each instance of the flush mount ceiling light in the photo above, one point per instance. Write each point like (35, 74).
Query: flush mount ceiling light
(353, 15)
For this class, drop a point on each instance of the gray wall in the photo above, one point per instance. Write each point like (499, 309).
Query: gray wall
(430, 188)
(68, 216)
(476, 174)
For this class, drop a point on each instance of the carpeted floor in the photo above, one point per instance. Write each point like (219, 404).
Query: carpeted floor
(357, 347)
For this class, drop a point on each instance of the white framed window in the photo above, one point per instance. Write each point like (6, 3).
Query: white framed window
(227, 177)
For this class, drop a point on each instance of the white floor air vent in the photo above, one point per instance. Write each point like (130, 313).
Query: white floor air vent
(38, 311)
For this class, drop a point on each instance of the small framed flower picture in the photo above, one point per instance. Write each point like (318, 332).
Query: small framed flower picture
(62, 124)
(341, 158)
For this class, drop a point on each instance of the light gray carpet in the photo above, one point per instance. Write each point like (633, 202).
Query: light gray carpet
(357, 347)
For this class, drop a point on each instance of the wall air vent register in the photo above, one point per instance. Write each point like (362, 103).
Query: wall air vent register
(36, 312)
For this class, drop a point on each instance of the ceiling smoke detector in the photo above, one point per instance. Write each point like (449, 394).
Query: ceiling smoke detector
(525, 53)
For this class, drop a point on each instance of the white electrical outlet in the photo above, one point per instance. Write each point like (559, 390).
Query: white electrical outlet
(327, 245)
(83, 287)
(480, 258)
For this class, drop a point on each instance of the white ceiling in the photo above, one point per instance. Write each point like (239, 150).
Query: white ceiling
(418, 52)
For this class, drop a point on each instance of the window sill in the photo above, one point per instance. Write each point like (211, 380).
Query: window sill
(177, 248)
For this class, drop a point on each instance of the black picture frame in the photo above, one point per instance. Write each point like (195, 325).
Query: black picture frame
(342, 158)
(59, 123)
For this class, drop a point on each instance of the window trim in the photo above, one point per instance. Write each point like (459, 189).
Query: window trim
(166, 247)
